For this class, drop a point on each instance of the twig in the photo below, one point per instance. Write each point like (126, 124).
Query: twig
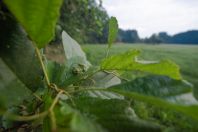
(42, 64)
(52, 116)
(55, 101)
(109, 72)
(88, 89)
(26, 118)
(107, 53)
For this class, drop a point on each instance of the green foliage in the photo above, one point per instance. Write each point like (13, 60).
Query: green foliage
(160, 86)
(85, 20)
(76, 121)
(18, 53)
(113, 30)
(12, 90)
(114, 112)
(37, 17)
(20, 71)
(187, 110)
(128, 36)
(78, 97)
(131, 63)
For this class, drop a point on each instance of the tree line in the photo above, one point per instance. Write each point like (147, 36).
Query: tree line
(87, 22)
(188, 37)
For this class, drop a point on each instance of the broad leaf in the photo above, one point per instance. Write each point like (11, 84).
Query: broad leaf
(64, 75)
(113, 30)
(114, 115)
(128, 61)
(69, 119)
(191, 111)
(73, 52)
(159, 86)
(17, 52)
(103, 80)
(61, 74)
(38, 17)
(12, 90)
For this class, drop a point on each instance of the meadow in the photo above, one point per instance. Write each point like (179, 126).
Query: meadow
(186, 56)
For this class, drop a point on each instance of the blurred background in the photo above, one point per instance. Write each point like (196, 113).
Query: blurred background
(162, 29)
(140, 21)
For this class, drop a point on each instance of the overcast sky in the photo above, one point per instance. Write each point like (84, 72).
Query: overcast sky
(152, 16)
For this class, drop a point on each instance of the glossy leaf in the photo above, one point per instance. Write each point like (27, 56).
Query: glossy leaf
(128, 62)
(38, 17)
(113, 30)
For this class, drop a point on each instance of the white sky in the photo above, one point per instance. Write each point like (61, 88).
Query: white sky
(153, 16)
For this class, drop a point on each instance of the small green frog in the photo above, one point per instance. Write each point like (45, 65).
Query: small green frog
(78, 69)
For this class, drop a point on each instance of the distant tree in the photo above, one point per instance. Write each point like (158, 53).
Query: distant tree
(189, 37)
(128, 36)
(154, 39)
(164, 37)
(84, 20)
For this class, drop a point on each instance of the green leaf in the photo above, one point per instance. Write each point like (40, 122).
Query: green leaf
(17, 52)
(159, 86)
(57, 73)
(176, 91)
(12, 90)
(114, 114)
(69, 119)
(64, 74)
(113, 30)
(38, 17)
(73, 52)
(128, 62)
(191, 111)
(46, 127)
(103, 80)
(60, 74)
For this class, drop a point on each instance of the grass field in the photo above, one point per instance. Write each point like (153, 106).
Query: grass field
(186, 56)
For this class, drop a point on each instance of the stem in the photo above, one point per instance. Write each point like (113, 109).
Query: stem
(107, 53)
(26, 118)
(37, 97)
(42, 64)
(52, 116)
(116, 75)
(53, 121)
(89, 76)
(55, 101)
(89, 89)
(69, 96)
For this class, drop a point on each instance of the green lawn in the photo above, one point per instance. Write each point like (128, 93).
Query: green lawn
(185, 56)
